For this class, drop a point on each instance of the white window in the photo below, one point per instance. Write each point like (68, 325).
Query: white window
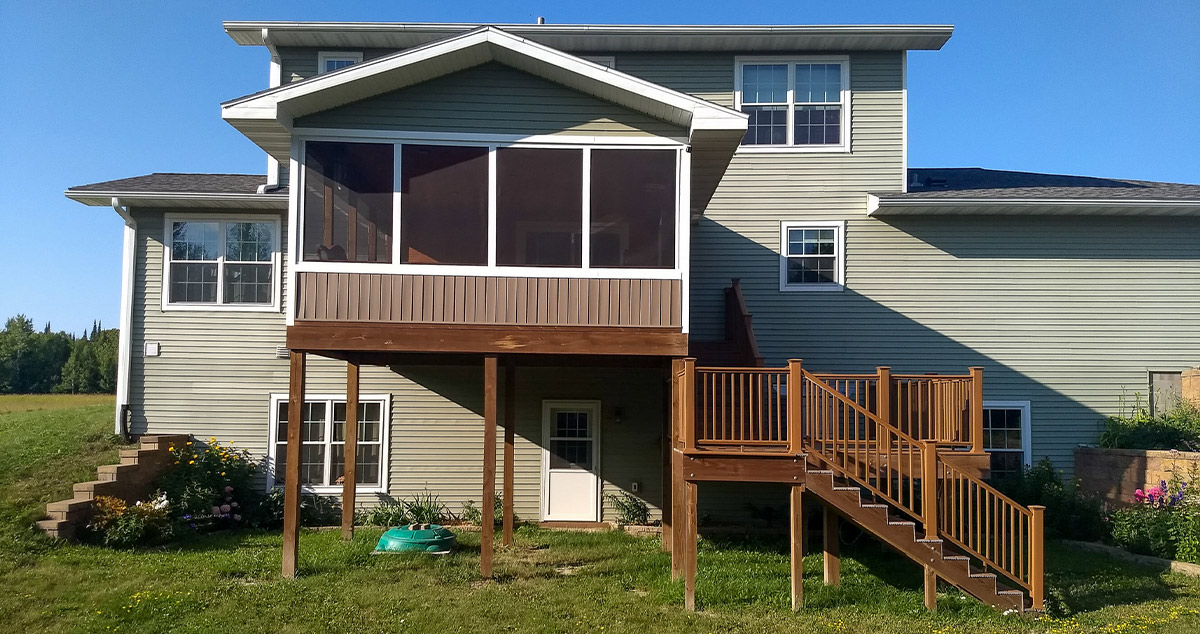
(329, 61)
(1006, 436)
(811, 256)
(795, 103)
(220, 263)
(323, 442)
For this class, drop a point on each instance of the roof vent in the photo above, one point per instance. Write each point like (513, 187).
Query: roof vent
(934, 182)
(282, 352)
(541, 20)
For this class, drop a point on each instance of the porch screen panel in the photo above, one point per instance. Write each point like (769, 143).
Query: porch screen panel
(443, 204)
(633, 208)
(539, 207)
(348, 201)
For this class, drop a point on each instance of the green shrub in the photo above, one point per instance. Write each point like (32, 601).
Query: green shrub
(119, 525)
(388, 514)
(1139, 429)
(315, 510)
(1070, 514)
(425, 508)
(1148, 531)
(209, 486)
(472, 514)
(630, 509)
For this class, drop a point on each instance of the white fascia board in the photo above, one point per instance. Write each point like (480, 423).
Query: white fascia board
(102, 199)
(884, 206)
(274, 104)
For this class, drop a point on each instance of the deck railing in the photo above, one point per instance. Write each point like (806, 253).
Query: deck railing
(889, 442)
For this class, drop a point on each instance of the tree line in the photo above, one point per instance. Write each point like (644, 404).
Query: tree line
(34, 362)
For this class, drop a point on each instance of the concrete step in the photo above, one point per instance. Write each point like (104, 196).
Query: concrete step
(58, 529)
(111, 472)
(75, 508)
(89, 490)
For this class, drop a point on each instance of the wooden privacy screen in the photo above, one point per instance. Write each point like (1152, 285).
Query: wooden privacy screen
(459, 299)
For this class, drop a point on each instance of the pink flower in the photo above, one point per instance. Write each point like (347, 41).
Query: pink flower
(229, 489)
(237, 518)
(1154, 492)
(216, 510)
(225, 508)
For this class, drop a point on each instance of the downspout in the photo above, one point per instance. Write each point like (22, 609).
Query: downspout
(274, 79)
(125, 333)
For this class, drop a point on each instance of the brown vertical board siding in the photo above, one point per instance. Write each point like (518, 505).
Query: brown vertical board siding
(545, 301)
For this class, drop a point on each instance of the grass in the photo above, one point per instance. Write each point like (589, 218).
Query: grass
(550, 582)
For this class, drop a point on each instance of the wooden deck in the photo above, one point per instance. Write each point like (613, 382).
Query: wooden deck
(901, 456)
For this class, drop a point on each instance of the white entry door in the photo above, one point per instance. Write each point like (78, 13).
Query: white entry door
(571, 461)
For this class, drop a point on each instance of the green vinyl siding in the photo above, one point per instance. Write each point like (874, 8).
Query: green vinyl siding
(491, 99)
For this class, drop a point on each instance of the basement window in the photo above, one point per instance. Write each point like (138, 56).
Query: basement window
(811, 256)
(799, 103)
(1006, 437)
(220, 263)
(323, 443)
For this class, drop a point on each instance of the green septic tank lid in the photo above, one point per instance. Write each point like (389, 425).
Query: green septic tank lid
(429, 538)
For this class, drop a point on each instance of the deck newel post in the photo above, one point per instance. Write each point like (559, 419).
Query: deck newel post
(486, 547)
(795, 382)
(797, 546)
(510, 452)
(930, 589)
(689, 404)
(929, 488)
(977, 410)
(833, 561)
(350, 472)
(291, 486)
(883, 394)
(691, 546)
(1037, 556)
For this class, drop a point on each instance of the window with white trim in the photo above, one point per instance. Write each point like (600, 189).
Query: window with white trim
(1006, 437)
(329, 61)
(221, 262)
(797, 102)
(323, 442)
(811, 256)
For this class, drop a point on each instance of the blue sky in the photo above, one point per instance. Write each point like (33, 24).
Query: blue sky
(101, 90)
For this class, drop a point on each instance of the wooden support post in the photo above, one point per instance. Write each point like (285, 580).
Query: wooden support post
(977, 410)
(510, 450)
(1037, 557)
(679, 515)
(691, 546)
(797, 539)
(486, 547)
(671, 408)
(291, 486)
(795, 383)
(833, 559)
(930, 588)
(689, 404)
(349, 471)
(929, 488)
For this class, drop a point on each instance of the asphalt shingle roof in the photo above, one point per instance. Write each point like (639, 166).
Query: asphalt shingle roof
(974, 182)
(169, 182)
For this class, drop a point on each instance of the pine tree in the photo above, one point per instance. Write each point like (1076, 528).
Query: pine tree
(81, 372)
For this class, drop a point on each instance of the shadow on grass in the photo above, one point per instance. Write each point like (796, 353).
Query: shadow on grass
(1080, 581)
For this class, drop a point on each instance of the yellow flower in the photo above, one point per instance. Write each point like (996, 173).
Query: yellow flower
(191, 462)
(222, 473)
(212, 439)
(189, 443)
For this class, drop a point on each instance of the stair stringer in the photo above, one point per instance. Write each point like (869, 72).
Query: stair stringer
(901, 535)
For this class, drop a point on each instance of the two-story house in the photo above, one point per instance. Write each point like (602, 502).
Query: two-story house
(539, 246)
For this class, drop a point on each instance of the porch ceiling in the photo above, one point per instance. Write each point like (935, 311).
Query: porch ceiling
(267, 117)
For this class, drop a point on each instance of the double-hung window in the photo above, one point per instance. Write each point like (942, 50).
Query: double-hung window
(218, 262)
(329, 61)
(1006, 436)
(323, 442)
(799, 103)
(811, 256)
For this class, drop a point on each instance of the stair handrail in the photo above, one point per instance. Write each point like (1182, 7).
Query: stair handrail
(1021, 560)
(914, 447)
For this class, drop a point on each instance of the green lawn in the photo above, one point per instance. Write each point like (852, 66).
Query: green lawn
(551, 581)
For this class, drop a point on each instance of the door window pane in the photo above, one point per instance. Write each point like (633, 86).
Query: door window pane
(443, 204)
(348, 201)
(571, 454)
(539, 207)
(633, 208)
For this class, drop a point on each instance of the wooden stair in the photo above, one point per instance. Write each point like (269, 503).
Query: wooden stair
(901, 534)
